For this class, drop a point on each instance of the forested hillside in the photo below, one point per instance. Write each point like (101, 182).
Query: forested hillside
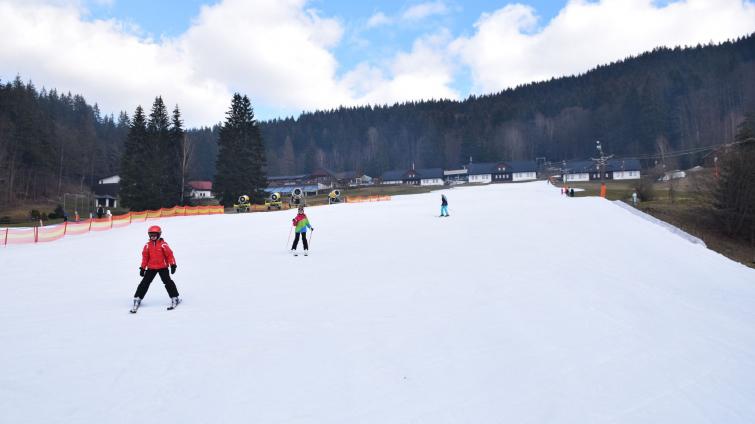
(49, 141)
(667, 99)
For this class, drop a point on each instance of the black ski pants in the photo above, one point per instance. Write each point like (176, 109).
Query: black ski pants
(149, 275)
(303, 240)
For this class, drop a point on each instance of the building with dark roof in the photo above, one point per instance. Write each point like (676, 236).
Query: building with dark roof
(615, 169)
(352, 178)
(106, 192)
(423, 177)
(455, 176)
(501, 172)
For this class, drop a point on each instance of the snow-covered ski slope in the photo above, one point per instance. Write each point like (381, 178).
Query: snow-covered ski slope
(524, 306)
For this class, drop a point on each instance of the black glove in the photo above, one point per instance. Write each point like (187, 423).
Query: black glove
(312, 228)
(173, 268)
(141, 272)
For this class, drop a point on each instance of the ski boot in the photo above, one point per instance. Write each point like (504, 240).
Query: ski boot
(174, 301)
(137, 302)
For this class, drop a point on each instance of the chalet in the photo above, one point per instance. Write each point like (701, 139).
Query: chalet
(456, 176)
(480, 173)
(393, 177)
(615, 169)
(199, 189)
(424, 177)
(502, 172)
(430, 176)
(323, 178)
(520, 170)
(106, 192)
(577, 170)
(352, 179)
(624, 169)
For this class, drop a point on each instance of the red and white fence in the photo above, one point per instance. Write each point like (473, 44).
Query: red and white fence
(57, 232)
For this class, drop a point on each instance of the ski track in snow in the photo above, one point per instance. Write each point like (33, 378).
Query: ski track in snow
(523, 306)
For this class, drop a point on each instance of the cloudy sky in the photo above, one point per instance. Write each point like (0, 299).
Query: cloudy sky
(291, 56)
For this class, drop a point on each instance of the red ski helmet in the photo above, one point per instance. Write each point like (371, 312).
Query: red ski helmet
(154, 229)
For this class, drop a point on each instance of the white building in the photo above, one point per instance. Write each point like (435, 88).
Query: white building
(200, 189)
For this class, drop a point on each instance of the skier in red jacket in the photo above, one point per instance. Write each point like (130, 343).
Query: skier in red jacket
(156, 258)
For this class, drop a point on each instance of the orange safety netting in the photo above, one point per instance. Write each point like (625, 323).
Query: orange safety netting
(56, 232)
(357, 199)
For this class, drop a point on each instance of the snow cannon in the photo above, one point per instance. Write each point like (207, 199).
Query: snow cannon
(274, 201)
(297, 195)
(334, 197)
(243, 205)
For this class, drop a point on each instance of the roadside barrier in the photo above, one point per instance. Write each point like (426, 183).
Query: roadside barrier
(68, 228)
(357, 199)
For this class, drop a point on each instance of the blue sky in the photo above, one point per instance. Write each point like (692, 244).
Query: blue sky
(172, 18)
(291, 56)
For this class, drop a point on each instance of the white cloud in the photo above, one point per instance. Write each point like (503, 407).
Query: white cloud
(378, 19)
(423, 73)
(280, 52)
(276, 51)
(423, 10)
(102, 60)
(508, 49)
(52, 46)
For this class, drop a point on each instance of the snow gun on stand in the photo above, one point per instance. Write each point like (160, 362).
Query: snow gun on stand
(334, 197)
(297, 196)
(243, 205)
(274, 201)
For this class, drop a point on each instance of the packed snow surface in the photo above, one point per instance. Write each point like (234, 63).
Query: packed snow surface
(523, 306)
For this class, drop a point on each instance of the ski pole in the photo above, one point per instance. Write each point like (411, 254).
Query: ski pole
(289, 237)
(311, 237)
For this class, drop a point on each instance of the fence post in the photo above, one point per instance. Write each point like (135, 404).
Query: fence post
(90, 224)
(130, 217)
(36, 234)
(6, 236)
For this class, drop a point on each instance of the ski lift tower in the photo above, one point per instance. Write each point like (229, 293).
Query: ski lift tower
(601, 160)
(564, 173)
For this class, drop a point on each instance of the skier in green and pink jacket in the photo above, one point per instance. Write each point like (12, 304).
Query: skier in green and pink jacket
(301, 223)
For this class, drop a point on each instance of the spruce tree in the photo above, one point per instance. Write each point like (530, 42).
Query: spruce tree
(241, 155)
(174, 169)
(161, 186)
(133, 164)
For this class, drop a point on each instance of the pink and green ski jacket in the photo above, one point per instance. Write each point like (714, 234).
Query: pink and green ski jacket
(301, 223)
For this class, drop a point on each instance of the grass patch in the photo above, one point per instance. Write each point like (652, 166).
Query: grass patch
(686, 204)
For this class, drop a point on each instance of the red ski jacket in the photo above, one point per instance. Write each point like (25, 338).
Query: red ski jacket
(157, 255)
